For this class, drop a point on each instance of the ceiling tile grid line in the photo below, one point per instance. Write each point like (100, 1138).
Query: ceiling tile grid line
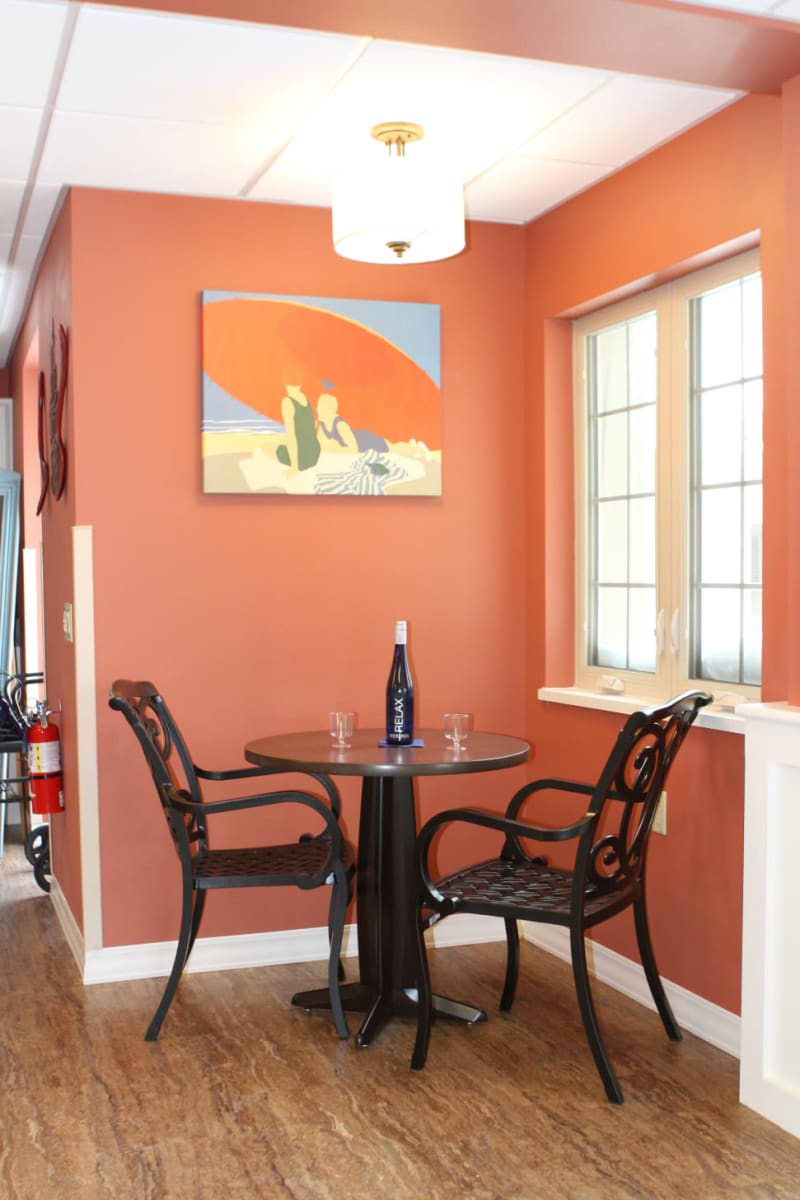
(23, 250)
(99, 95)
(341, 74)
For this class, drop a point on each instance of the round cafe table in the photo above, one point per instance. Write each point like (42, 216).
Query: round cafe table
(386, 878)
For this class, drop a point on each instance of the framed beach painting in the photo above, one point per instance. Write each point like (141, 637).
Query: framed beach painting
(310, 396)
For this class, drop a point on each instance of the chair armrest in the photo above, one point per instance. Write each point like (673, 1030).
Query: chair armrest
(181, 800)
(236, 773)
(514, 830)
(254, 772)
(545, 785)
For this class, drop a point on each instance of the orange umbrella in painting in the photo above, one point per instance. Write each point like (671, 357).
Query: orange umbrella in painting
(254, 347)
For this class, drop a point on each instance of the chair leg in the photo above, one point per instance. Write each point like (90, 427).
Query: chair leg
(348, 885)
(336, 915)
(424, 1002)
(581, 975)
(190, 922)
(197, 916)
(512, 965)
(651, 971)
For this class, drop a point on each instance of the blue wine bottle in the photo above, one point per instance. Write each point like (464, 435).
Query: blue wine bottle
(400, 693)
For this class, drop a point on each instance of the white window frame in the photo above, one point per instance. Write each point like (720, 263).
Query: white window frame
(671, 675)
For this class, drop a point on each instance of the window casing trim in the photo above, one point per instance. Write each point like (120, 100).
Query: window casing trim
(628, 690)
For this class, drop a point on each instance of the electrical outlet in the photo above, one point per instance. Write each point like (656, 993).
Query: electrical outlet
(660, 820)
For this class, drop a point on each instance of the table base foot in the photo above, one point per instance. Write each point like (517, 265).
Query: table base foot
(381, 1007)
(457, 1010)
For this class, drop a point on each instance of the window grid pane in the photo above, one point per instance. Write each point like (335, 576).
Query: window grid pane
(726, 485)
(621, 394)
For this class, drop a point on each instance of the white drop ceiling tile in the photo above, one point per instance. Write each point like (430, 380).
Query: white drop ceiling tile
(203, 71)
(520, 189)
(789, 10)
(30, 34)
(16, 283)
(624, 119)
(27, 252)
(19, 128)
(745, 6)
(41, 206)
(11, 192)
(474, 108)
(142, 155)
(298, 182)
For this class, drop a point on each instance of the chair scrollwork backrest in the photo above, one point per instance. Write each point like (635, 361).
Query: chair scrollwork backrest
(161, 740)
(628, 791)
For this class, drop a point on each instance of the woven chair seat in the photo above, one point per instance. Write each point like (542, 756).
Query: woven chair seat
(216, 868)
(529, 890)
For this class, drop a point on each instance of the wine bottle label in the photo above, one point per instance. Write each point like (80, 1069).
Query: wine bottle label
(398, 717)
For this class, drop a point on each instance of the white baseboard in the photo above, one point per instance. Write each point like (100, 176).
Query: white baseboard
(153, 959)
(708, 1021)
(68, 923)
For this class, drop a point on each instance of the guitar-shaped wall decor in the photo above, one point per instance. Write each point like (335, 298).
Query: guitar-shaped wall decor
(52, 450)
(58, 392)
(44, 465)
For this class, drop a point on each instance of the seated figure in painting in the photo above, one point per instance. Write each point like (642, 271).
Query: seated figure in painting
(301, 449)
(336, 436)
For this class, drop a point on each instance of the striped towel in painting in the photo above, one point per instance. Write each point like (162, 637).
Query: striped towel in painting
(368, 476)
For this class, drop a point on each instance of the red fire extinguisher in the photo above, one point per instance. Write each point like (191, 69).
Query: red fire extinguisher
(43, 754)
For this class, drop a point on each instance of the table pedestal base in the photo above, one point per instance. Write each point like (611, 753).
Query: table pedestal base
(386, 902)
(358, 997)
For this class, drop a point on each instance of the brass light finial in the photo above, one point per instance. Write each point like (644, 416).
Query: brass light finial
(395, 134)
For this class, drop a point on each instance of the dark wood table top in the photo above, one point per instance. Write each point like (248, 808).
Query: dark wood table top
(313, 751)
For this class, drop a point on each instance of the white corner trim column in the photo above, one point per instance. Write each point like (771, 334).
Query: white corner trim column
(769, 1080)
(86, 726)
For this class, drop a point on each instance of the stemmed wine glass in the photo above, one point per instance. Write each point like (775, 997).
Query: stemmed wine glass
(456, 728)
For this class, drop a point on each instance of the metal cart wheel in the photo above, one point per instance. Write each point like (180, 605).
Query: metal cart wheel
(37, 852)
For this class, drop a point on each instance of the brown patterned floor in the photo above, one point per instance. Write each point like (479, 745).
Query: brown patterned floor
(243, 1097)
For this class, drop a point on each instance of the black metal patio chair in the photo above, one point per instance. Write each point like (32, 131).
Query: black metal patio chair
(607, 873)
(315, 860)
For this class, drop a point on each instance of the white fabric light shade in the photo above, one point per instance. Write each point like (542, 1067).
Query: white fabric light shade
(398, 199)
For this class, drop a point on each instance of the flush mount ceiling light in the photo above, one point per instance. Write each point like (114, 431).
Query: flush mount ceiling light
(398, 209)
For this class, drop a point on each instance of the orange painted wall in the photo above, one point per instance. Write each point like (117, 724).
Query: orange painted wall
(52, 299)
(257, 614)
(718, 183)
(4, 381)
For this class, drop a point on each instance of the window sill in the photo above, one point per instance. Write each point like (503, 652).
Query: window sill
(709, 718)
